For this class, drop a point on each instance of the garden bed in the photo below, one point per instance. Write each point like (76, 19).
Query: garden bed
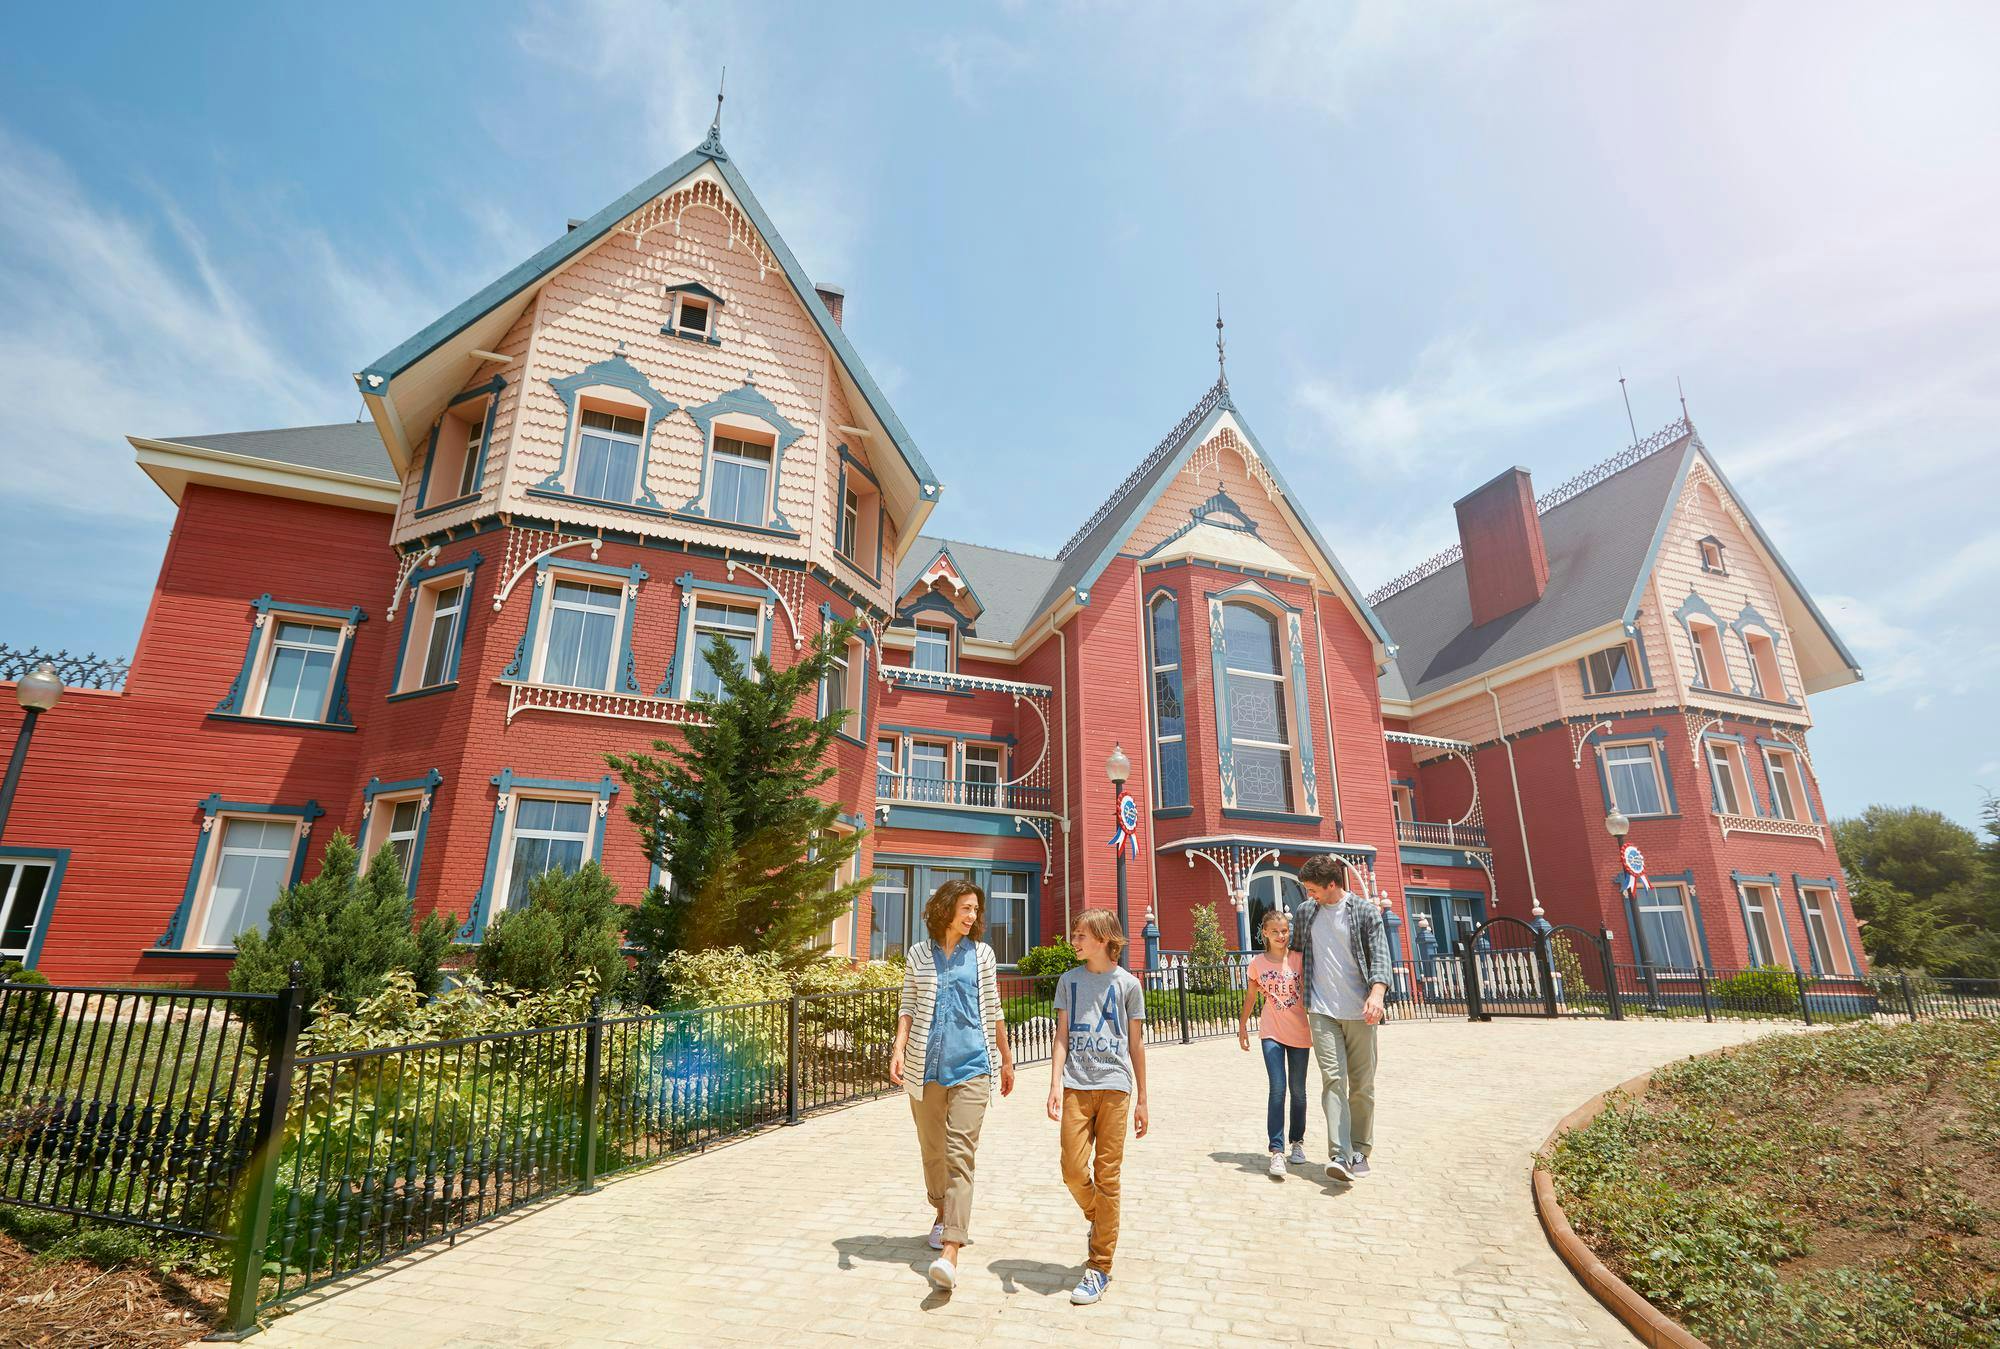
(63, 1285)
(1841, 1188)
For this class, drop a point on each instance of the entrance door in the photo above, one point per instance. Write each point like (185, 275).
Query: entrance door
(1268, 888)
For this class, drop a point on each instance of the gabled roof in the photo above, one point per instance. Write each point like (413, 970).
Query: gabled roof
(939, 565)
(1601, 533)
(344, 447)
(510, 292)
(342, 464)
(1009, 585)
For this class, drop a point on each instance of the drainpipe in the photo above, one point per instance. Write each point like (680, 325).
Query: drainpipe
(1062, 692)
(1500, 728)
(1326, 714)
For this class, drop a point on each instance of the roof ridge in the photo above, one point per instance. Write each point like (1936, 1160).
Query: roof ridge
(1562, 493)
(974, 543)
(1217, 395)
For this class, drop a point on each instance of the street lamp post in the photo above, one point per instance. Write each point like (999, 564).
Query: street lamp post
(1118, 768)
(37, 692)
(1618, 826)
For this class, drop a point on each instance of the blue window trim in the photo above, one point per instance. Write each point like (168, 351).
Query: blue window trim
(624, 677)
(428, 785)
(489, 390)
(1746, 620)
(847, 460)
(932, 602)
(506, 787)
(1701, 555)
(1694, 604)
(235, 702)
(982, 869)
(1740, 879)
(1830, 884)
(1173, 812)
(1684, 879)
(470, 566)
(1275, 816)
(1153, 599)
(58, 860)
(616, 373)
(1301, 732)
(1799, 766)
(1749, 779)
(1615, 738)
(213, 805)
(746, 401)
(692, 587)
(866, 637)
(1644, 671)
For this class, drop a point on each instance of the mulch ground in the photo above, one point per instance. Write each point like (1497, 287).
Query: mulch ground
(58, 1304)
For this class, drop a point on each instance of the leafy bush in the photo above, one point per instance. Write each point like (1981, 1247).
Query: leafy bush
(1765, 986)
(1208, 954)
(1045, 964)
(25, 1017)
(720, 977)
(346, 930)
(570, 924)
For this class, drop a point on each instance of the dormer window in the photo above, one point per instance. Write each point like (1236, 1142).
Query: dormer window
(692, 318)
(857, 530)
(1610, 670)
(692, 311)
(933, 649)
(607, 454)
(740, 480)
(456, 465)
(1711, 557)
(475, 456)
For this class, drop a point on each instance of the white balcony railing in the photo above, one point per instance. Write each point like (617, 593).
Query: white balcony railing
(912, 790)
(1763, 824)
(1443, 835)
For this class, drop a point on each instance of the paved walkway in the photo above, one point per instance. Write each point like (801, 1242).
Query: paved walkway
(814, 1235)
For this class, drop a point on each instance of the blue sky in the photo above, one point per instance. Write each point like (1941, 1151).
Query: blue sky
(1440, 231)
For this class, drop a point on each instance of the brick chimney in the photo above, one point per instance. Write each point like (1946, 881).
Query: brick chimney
(835, 300)
(1506, 567)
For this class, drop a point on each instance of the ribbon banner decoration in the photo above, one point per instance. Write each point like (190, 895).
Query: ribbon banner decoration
(1125, 836)
(1635, 870)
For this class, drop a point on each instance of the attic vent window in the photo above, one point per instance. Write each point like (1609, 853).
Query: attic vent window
(692, 310)
(693, 318)
(1711, 557)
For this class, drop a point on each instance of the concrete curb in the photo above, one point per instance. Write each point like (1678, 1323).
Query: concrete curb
(1653, 1327)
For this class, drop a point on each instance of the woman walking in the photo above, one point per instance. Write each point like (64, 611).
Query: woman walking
(950, 1039)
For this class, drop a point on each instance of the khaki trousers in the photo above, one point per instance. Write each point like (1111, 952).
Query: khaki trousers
(948, 1120)
(1093, 1155)
(1346, 1054)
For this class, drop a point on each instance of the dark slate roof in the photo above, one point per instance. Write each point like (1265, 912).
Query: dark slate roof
(1010, 585)
(343, 447)
(1599, 544)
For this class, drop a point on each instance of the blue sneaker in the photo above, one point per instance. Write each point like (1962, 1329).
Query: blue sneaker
(1089, 1288)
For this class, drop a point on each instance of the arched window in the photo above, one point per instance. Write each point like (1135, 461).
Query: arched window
(1169, 711)
(1260, 736)
(1269, 889)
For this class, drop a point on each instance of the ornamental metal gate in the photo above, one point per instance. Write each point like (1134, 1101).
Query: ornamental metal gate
(1511, 968)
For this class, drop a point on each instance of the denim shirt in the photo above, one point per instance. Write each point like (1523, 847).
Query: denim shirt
(957, 1049)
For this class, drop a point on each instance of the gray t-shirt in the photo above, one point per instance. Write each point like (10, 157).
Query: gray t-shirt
(1338, 990)
(1102, 1008)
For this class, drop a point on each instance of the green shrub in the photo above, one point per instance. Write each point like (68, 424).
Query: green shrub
(1765, 986)
(1045, 964)
(832, 974)
(720, 977)
(570, 924)
(1208, 954)
(346, 930)
(25, 1017)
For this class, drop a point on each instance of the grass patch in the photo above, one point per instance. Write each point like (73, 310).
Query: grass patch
(1838, 1189)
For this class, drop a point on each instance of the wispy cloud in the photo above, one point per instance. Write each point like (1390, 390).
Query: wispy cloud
(974, 62)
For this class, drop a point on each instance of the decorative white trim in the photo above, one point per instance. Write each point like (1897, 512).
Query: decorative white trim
(403, 570)
(500, 596)
(795, 579)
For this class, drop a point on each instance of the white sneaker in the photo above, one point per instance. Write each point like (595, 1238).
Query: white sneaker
(1358, 1165)
(937, 1236)
(1276, 1170)
(1298, 1157)
(1337, 1168)
(943, 1274)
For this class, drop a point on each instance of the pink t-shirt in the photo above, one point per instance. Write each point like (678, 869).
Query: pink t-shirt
(1284, 1015)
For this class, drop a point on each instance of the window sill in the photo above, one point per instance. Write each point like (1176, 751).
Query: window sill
(425, 692)
(698, 518)
(443, 506)
(850, 739)
(855, 567)
(283, 721)
(1273, 816)
(1622, 693)
(706, 339)
(1752, 698)
(174, 953)
(1657, 815)
(1173, 812)
(636, 508)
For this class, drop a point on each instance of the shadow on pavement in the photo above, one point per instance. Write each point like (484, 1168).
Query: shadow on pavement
(1254, 1164)
(912, 1253)
(1037, 1276)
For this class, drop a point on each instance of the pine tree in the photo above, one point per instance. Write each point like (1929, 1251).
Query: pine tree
(570, 924)
(1208, 953)
(732, 813)
(346, 930)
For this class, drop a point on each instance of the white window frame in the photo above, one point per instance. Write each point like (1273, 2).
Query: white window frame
(211, 871)
(636, 412)
(267, 657)
(545, 625)
(503, 884)
(1289, 747)
(1764, 924)
(423, 617)
(1631, 670)
(1719, 567)
(904, 876)
(1724, 759)
(382, 826)
(1403, 802)
(1652, 749)
(1025, 897)
(920, 750)
(1816, 904)
(472, 458)
(850, 522)
(681, 303)
(1648, 901)
(1787, 784)
(11, 896)
(747, 431)
(992, 791)
(945, 631)
(692, 660)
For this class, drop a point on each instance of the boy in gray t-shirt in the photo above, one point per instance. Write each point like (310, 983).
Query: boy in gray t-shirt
(1097, 1083)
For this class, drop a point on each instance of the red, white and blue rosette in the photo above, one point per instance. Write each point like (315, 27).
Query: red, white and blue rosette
(1125, 835)
(1635, 869)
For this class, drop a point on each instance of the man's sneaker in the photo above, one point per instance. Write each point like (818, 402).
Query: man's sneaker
(937, 1236)
(943, 1274)
(1089, 1288)
(1298, 1157)
(1358, 1165)
(1337, 1168)
(1277, 1167)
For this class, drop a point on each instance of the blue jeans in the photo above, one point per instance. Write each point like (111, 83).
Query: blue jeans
(1280, 1063)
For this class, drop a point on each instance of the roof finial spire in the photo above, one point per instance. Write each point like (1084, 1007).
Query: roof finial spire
(716, 125)
(1221, 357)
(1684, 397)
(1623, 393)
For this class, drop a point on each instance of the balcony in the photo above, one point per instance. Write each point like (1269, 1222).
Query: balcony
(905, 789)
(1764, 824)
(1441, 835)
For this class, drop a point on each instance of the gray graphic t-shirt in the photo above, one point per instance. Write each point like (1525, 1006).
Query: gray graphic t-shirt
(1101, 1010)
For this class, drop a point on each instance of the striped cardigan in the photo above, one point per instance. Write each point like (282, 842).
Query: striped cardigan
(919, 1003)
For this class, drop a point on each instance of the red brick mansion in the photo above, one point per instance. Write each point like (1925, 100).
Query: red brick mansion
(427, 628)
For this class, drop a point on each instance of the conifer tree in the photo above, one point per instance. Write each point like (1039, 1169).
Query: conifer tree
(732, 815)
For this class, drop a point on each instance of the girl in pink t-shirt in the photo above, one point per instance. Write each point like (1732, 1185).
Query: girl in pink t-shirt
(1276, 976)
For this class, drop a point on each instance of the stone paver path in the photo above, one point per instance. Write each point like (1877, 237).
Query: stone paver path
(814, 1235)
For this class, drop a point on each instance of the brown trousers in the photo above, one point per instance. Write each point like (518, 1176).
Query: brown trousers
(1093, 1130)
(948, 1120)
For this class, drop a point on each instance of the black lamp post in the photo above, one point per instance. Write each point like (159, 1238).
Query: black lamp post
(1618, 826)
(1119, 768)
(37, 693)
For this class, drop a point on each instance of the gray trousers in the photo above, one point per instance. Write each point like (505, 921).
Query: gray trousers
(1345, 1051)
